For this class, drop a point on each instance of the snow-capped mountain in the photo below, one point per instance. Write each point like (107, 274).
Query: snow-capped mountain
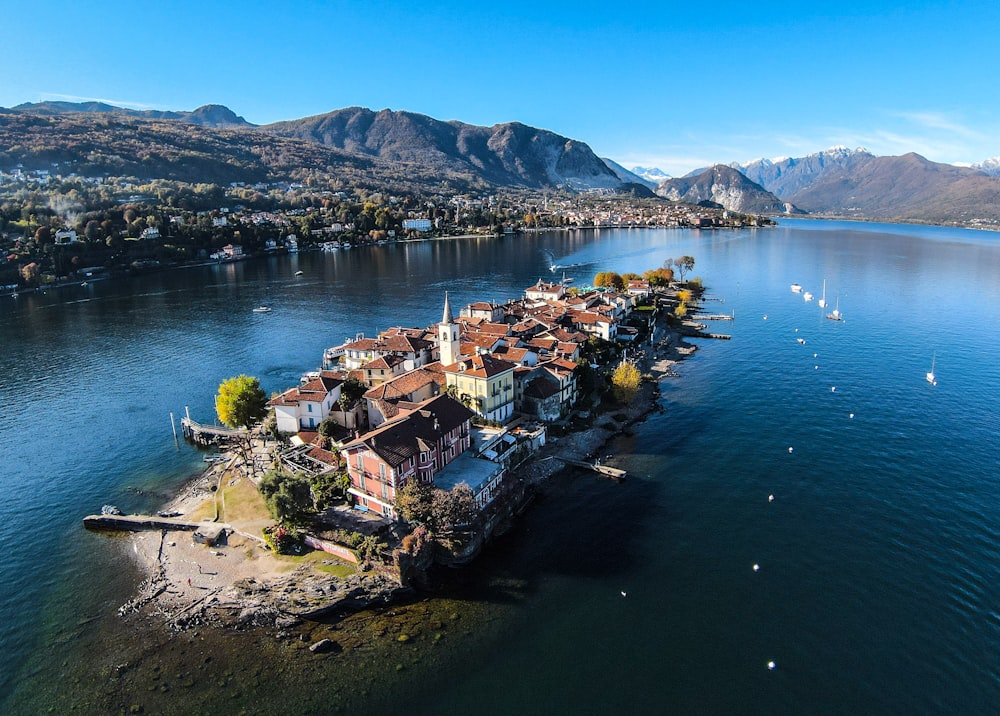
(651, 174)
(988, 166)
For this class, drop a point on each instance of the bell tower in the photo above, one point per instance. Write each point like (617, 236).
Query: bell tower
(448, 335)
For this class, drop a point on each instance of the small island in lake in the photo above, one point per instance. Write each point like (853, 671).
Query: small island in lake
(412, 448)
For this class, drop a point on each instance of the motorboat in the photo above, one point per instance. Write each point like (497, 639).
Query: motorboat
(796, 288)
(931, 378)
(262, 309)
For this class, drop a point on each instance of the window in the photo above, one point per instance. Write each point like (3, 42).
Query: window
(310, 406)
(381, 471)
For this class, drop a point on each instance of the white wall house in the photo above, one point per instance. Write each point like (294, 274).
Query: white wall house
(305, 407)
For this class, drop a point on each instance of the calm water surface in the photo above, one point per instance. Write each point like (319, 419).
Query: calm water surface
(879, 580)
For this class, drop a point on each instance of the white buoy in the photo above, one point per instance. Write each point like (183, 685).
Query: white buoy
(833, 389)
(796, 330)
(815, 367)
(770, 498)
(771, 665)
(852, 416)
(756, 568)
(623, 594)
(765, 316)
(815, 354)
(790, 449)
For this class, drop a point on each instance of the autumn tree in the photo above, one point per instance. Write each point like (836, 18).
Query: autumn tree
(240, 401)
(659, 277)
(609, 279)
(625, 381)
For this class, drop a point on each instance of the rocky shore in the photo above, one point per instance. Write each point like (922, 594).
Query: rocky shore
(235, 581)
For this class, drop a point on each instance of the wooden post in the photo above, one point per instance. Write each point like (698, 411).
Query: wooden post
(173, 426)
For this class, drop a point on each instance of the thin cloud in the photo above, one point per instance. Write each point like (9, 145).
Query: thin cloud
(939, 120)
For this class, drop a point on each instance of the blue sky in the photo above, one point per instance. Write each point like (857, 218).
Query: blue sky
(666, 84)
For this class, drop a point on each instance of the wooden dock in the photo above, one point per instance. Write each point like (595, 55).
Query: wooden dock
(613, 472)
(208, 434)
(717, 317)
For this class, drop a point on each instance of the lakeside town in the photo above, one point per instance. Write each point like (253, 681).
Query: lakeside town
(60, 228)
(407, 449)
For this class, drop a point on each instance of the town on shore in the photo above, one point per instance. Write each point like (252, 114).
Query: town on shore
(411, 448)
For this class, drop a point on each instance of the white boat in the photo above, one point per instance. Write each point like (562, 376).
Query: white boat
(262, 309)
(822, 300)
(835, 314)
(299, 273)
(930, 374)
(807, 296)
(802, 341)
(796, 288)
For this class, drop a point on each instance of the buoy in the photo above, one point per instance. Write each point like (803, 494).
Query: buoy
(765, 316)
(814, 355)
(790, 449)
(815, 367)
(756, 568)
(623, 594)
(796, 330)
(833, 389)
(771, 665)
(852, 416)
(770, 498)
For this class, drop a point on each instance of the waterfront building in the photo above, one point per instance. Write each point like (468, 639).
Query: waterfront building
(306, 406)
(415, 445)
(487, 383)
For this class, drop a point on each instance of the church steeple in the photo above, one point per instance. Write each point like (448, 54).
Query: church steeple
(448, 318)
(448, 340)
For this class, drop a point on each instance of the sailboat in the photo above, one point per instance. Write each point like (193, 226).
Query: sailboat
(834, 315)
(822, 301)
(930, 374)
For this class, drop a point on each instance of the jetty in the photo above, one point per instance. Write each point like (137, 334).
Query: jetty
(614, 473)
(718, 317)
(208, 434)
(139, 523)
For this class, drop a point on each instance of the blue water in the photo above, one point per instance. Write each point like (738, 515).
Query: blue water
(879, 559)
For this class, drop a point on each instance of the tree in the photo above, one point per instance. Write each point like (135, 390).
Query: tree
(350, 392)
(453, 508)
(683, 264)
(288, 497)
(413, 501)
(240, 401)
(609, 279)
(659, 277)
(625, 381)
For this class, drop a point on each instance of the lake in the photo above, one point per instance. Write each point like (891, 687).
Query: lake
(878, 559)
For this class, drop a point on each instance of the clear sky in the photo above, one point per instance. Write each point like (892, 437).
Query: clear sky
(675, 85)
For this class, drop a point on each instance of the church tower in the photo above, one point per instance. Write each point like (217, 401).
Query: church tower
(448, 335)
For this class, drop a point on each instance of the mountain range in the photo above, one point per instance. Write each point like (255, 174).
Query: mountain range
(393, 150)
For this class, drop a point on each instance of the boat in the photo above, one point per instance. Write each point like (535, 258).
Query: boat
(802, 341)
(262, 309)
(835, 314)
(931, 378)
(796, 288)
(807, 296)
(299, 273)
(822, 300)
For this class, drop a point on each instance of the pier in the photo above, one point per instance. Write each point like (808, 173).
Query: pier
(614, 473)
(138, 523)
(718, 317)
(208, 434)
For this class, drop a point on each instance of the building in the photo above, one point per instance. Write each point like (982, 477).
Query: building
(417, 224)
(305, 407)
(486, 383)
(416, 445)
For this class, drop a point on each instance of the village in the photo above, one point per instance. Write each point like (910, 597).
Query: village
(440, 435)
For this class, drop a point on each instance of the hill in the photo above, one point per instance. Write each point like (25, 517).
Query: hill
(209, 115)
(726, 187)
(504, 154)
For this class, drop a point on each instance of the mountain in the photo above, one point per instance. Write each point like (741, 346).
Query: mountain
(727, 187)
(504, 154)
(651, 174)
(991, 166)
(626, 176)
(787, 176)
(905, 188)
(209, 115)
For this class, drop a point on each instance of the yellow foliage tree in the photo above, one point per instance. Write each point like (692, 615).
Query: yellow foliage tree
(240, 401)
(625, 381)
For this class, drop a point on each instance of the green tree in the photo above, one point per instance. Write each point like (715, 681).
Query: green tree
(288, 497)
(625, 381)
(240, 401)
(351, 392)
(413, 502)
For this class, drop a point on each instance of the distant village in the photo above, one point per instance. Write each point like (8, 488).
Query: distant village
(56, 227)
(462, 401)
